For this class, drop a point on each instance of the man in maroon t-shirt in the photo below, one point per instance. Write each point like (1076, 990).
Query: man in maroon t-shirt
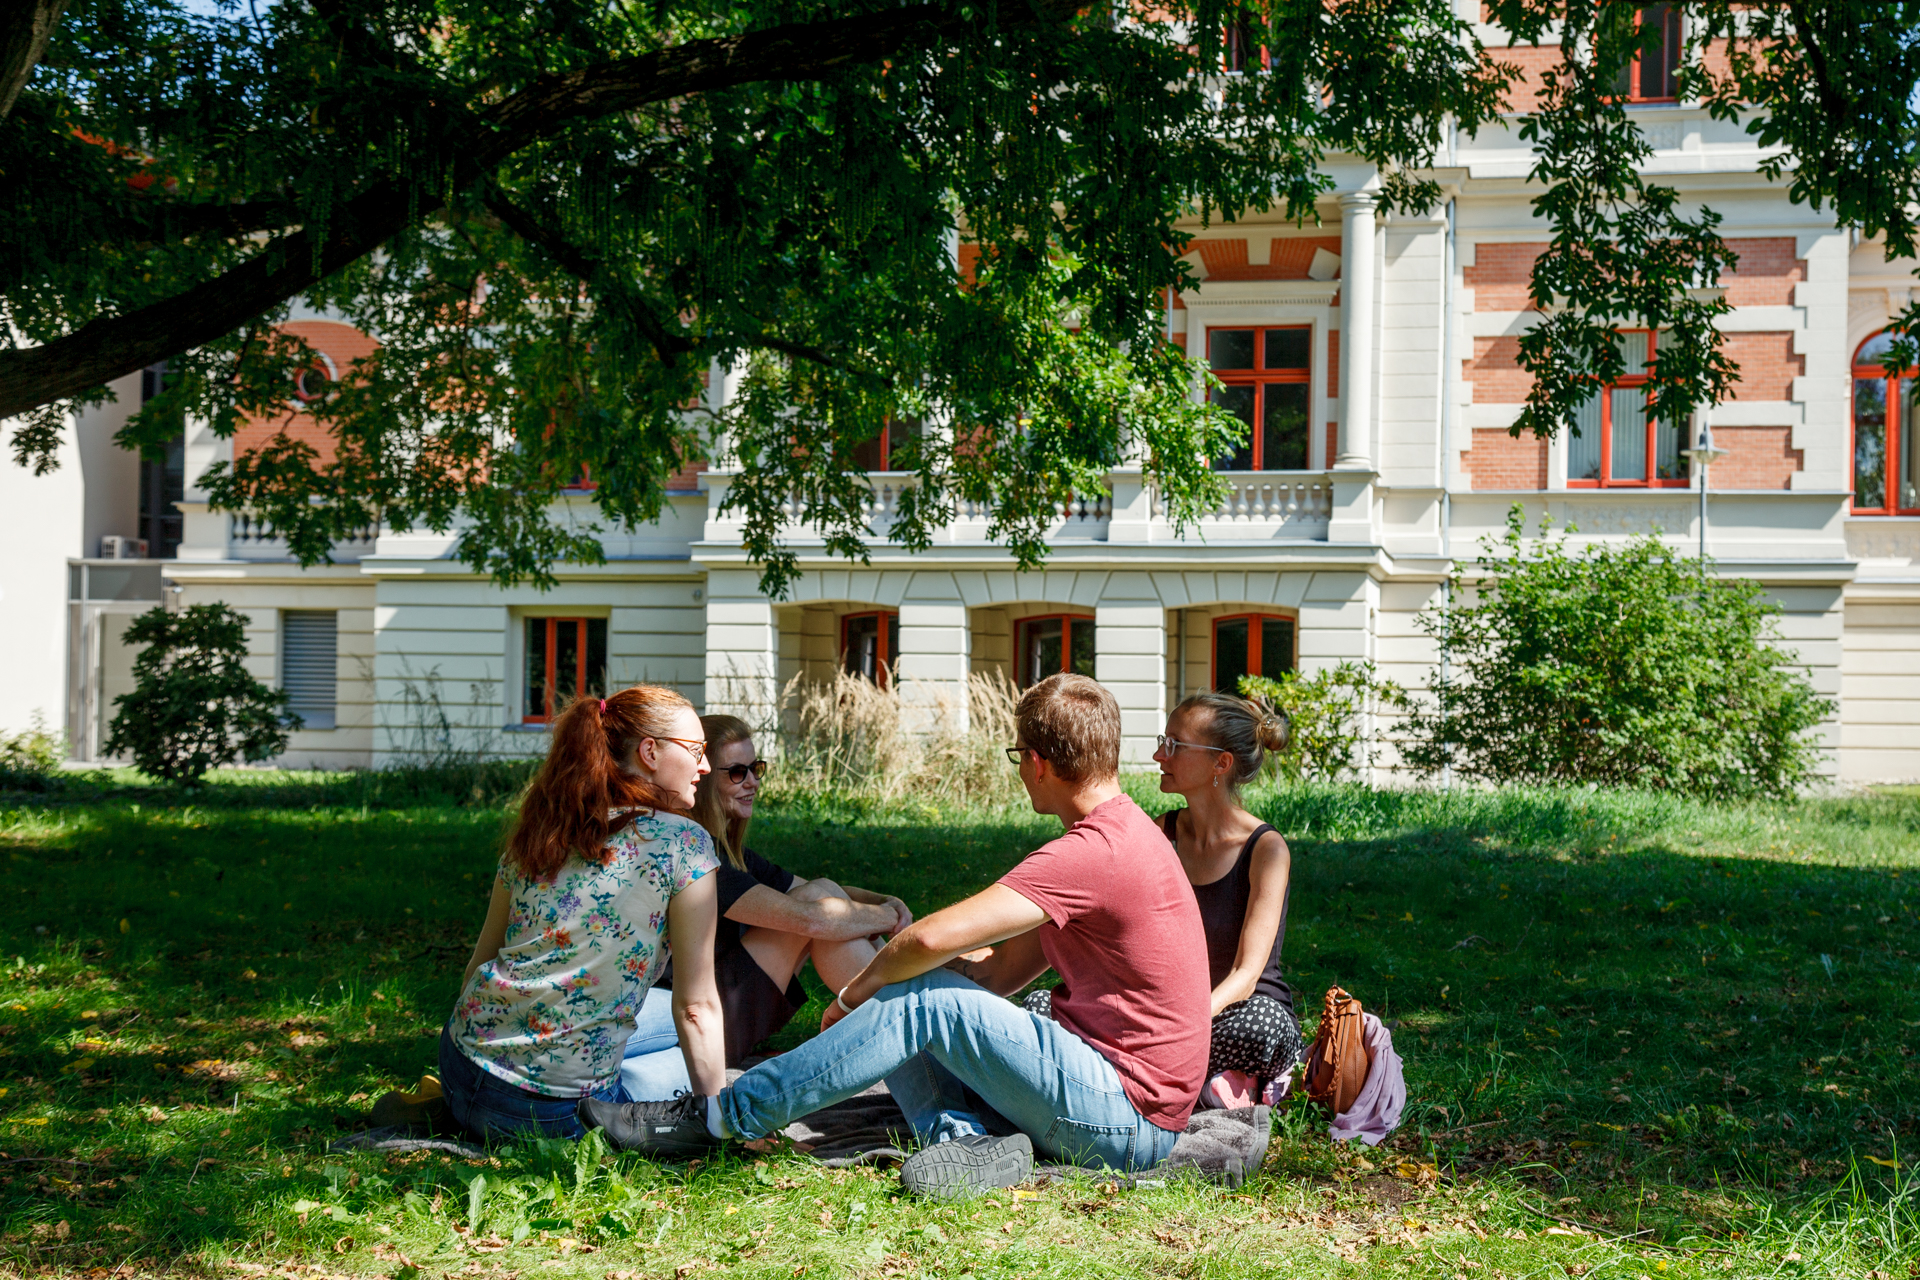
(1109, 1079)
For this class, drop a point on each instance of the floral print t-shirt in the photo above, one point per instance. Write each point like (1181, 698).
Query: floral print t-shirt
(553, 1011)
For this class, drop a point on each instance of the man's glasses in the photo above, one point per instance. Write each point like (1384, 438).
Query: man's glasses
(694, 746)
(1015, 753)
(1172, 745)
(737, 773)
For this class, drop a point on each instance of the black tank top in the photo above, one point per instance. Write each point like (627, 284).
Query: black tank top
(1223, 913)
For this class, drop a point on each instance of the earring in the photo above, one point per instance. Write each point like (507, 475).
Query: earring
(1216, 779)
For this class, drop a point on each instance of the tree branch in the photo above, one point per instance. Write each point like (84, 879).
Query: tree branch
(105, 349)
(579, 263)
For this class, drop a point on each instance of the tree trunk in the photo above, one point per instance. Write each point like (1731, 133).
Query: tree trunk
(25, 28)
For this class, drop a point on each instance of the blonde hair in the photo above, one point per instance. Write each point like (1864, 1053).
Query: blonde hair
(1073, 722)
(1245, 728)
(709, 810)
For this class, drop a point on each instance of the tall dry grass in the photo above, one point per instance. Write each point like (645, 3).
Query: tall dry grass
(898, 741)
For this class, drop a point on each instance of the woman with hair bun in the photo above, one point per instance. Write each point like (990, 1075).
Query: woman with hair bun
(597, 876)
(1239, 868)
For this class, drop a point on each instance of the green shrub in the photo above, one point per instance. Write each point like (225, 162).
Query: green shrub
(194, 707)
(30, 758)
(1328, 713)
(1626, 665)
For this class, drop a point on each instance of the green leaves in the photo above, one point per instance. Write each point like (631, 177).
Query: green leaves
(1624, 665)
(194, 707)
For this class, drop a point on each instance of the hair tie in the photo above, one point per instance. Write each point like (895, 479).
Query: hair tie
(603, 706)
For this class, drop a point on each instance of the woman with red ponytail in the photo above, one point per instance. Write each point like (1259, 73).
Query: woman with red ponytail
(598, 876)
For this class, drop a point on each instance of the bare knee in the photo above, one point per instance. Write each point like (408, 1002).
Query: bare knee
(816, 891)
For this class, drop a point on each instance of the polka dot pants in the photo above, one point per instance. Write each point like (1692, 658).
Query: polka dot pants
(1258, 1036)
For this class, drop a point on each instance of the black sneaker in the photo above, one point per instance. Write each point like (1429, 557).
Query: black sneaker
(666, 1129)
(968, 1166)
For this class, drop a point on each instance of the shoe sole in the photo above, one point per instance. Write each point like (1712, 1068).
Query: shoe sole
(949, 1171)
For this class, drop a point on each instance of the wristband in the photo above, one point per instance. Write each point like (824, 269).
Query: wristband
(841, 1000)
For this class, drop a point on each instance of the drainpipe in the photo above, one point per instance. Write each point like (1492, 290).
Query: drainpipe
(1447, 409)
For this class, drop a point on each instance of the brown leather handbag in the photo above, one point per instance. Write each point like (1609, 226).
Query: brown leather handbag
(1337, 1064)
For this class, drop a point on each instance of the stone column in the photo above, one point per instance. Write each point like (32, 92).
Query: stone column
(1131, 660)
(936, 652)
(742, 649)
(1356, 332)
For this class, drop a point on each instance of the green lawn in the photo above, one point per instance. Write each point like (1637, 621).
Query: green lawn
(1683, 1025)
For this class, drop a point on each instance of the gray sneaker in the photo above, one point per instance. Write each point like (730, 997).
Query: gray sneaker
(670, 1130)
(968, 1166)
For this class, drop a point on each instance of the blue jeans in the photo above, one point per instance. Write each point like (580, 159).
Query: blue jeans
(959, 1060)
(654, 1069)
(488, 1107)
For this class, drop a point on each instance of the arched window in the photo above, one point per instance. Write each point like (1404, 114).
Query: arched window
(1886, 464)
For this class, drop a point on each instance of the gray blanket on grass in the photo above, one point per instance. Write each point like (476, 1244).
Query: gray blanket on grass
(1220, 1146)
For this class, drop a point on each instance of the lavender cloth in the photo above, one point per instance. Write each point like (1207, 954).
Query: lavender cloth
(1376, 1112)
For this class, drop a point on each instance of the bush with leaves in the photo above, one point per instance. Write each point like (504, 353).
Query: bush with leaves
(29, 758)
(1327, 710)
(194, 707)
(1625, 665)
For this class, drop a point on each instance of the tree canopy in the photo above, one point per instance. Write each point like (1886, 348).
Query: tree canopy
(557, 217)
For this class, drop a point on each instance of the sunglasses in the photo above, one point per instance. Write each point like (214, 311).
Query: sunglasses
(737, 773)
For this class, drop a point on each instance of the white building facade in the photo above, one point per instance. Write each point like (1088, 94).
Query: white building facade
(1380, 348)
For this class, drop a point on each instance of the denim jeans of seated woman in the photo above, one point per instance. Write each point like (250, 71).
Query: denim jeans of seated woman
(488, 1107)
(654, 1069)
(959, 1060)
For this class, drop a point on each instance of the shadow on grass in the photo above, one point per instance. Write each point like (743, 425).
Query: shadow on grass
(1597, 995)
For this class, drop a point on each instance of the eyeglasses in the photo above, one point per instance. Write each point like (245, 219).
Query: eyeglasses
(694, 746)
(1015, 753)
(1172, 745)
(737, 773)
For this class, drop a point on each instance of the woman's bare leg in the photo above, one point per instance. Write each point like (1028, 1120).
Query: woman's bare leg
(780, 955)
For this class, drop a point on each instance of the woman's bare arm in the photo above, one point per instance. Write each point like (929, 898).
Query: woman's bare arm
(827, 917)
(692, 917)
(493, 934)
(1272, 863)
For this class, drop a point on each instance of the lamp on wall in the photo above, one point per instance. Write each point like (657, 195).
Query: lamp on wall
(1703, 455)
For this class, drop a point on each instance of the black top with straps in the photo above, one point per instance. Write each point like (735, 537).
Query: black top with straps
(1223, 913)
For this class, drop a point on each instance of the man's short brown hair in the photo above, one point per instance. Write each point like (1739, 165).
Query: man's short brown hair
(1073, 722)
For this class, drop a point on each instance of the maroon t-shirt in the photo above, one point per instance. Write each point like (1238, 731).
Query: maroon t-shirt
(1123, 932)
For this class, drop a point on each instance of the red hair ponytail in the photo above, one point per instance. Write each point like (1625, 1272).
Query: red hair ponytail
(566, 810)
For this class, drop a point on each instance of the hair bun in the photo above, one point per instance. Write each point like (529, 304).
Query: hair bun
(1276, 730)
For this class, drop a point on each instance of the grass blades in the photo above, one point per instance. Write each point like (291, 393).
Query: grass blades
(1643, 1036)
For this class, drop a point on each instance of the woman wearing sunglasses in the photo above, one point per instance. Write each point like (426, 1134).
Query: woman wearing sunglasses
(598, 875)
(1239, 868)
(771, 923)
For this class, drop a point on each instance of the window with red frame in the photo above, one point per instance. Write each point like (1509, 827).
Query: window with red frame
(1050, 644)
(1615, 440)
(877, 454)
(1242, 52)
(1886, 457)
(566, 659)
(1259, 644)
(868, 644)
(1267, 377)
(1653, 74)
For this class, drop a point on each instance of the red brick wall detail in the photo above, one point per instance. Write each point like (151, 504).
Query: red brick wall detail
(1333, 443)
(342, 344)
(1333, 364)
(1757, 458)
(1292, 255)
(1764, 276)
(1498, 461)
(1496, 373)
(1524, 94)
(1767, 363)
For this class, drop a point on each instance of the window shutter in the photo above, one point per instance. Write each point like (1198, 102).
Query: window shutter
(309, 646)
